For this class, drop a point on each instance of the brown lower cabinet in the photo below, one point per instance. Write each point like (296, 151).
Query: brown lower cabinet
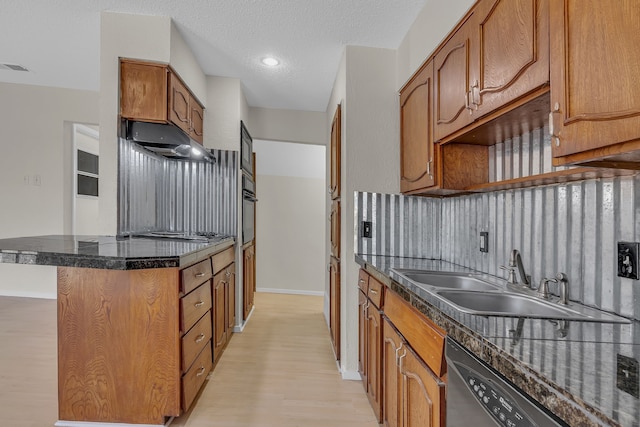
(135, 346)
(249, 278)
(401, 359)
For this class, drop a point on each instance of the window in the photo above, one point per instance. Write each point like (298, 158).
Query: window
(87, 173)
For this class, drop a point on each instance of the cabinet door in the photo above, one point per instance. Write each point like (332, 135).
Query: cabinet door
(374, 363)
(143, 91)
(196, 120)
(452, 85)
(416, 132)
(249, 268)
(219, 320)
(510, 51)
(179, 109)
(595, 60)
(231, 299)
(423, 393)
(335, 228)
(391, 347)
(334, 304)
(336, 135)
(362, 337)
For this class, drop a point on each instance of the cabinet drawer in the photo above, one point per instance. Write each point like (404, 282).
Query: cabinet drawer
(375, 292)
(194, 341)
(423, 335)
(223, 259)
(195, 377)
(194, 305)
(194, 276)
(363, 281)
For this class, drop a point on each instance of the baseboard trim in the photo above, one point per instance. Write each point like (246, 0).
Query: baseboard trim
(290, 291)
(240, 327)
(38, 295)
(62, 423)
(351, 375)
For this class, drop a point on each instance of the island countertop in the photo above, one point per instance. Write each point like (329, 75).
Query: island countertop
(108, 252)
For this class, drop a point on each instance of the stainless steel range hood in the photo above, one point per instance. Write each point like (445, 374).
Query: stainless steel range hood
(165, 140)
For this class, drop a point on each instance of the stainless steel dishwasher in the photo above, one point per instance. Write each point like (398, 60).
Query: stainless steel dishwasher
(478, 396)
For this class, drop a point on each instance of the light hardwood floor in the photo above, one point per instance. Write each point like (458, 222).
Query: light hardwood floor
(279, 372)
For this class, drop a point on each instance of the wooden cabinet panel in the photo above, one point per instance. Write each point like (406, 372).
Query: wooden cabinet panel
(194, 341)
(416, 132)
(362, 336)
(230, 299)
(335, 228)
(375, 292)
(334, 304)
(336, 136)
(249, 268)
(143, 91)
(510, 52)
(452, 81)
(195, 377)
(179, 109)
(222, 259)
(391, 346)
(595, 96)
(196, 118)
(423, 393)
(425, 337)
(194, 276)
(118, 345)
(219, 314)
(194, 305)
(363, 281)
(374, 359)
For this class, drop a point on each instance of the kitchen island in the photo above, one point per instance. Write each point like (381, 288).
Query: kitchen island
(127, 309)
(568, 367)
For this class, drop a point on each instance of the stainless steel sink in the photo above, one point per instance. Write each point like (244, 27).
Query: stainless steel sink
(446, 280)
(516, 305)
(470, 293)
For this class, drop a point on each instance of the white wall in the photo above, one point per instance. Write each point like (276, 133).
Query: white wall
(36, 141)
(223, 114)
(288, 125)
(290, 217)
(435, 21)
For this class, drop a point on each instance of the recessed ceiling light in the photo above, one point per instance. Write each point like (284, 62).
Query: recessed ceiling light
(270, 61)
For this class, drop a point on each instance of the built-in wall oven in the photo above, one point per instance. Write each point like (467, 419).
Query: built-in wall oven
(478, 396)
(248, 208)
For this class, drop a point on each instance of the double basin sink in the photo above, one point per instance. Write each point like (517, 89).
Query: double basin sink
(472, 294)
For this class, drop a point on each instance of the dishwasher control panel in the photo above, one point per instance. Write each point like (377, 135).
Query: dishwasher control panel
(495, 401)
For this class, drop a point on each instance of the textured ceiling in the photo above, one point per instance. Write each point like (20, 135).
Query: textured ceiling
(58, 40)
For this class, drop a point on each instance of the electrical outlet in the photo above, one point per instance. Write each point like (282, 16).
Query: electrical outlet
(628, 379)
(366, 229)
(628, 261)
(484, 241)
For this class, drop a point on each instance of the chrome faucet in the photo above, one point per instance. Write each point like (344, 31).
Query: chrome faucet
(563, 288)
(515, 262)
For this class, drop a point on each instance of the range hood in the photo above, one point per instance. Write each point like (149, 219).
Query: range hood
(165, 140)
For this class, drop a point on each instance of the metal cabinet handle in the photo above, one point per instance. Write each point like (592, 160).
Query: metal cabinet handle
(361, 280)
(228, 274)
(200, 274)
(475, 94)
(199, 338)
(429, 167)
(400, 360)
(373, 291)
(200, 371)
(466, 102)
(398, 350)
(198, 304)
(552, 127)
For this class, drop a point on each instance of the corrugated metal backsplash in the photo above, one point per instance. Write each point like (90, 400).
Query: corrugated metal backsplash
(570, 228)
(157, 193)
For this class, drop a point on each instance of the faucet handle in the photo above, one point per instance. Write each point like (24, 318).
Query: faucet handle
(543, 289)
(512, 274)
(563, 281)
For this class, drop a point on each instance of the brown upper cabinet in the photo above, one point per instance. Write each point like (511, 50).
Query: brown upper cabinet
(595, 95)
(416, 132)
(336, 135)
(497, 54)
(153, 92)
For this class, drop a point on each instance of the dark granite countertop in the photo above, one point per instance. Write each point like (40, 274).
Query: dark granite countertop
(108, 252)
(567, 366)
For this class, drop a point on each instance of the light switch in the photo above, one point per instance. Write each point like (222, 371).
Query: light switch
(484, 241)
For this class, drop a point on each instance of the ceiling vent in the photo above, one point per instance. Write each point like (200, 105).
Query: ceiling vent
(13, 67)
